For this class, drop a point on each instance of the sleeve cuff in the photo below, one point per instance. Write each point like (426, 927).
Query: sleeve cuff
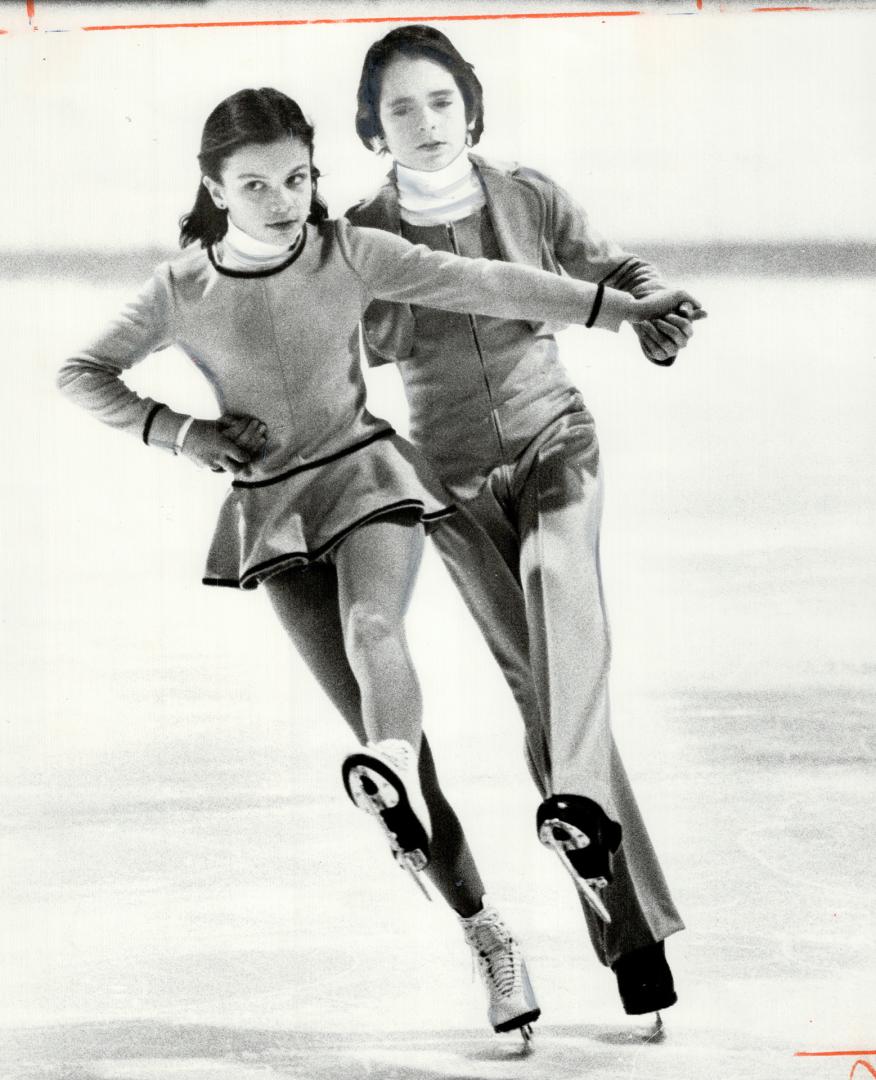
(612, 311)
(162, 427)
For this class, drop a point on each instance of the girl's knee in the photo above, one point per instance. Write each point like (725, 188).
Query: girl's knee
(368, 630)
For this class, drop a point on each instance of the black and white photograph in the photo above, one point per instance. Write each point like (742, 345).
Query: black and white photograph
(439, 533)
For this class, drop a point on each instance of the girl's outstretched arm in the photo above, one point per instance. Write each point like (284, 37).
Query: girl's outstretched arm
(392, 269)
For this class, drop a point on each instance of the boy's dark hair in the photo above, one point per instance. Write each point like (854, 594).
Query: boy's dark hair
(247, 117)
(415, 41)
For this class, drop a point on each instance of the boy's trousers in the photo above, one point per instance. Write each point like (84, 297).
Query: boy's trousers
(524, 554)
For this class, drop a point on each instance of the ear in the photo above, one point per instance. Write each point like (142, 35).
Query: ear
(215, 191)
(378, 144)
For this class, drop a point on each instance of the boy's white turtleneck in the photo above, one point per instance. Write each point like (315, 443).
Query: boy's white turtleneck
(437, 198)
(240, 251)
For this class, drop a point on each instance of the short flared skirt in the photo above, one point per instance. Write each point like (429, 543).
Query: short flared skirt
(300, 516)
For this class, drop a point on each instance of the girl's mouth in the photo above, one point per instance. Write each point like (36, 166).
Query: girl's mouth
(431, 145)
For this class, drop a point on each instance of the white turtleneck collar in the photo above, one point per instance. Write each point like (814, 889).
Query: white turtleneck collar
(436, 198)
(240, 251)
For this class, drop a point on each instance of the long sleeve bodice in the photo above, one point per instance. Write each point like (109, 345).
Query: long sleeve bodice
(283, 344)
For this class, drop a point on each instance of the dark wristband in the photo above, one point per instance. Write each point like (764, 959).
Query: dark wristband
(597, 304)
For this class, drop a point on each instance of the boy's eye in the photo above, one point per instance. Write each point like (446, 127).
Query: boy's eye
(253, 185)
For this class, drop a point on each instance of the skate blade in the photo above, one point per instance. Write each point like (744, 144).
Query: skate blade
(587, 890)
(371, 792)
(526, 1035)
(415, 877)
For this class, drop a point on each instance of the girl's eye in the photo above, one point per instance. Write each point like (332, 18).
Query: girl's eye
(297, 180)
(443, 103)
(400, 111)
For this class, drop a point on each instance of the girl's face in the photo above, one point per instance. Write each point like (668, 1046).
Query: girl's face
(422, 113)
(267, 189)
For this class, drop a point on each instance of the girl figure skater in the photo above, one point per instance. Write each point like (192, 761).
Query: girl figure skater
(328, 506)
(510, 436)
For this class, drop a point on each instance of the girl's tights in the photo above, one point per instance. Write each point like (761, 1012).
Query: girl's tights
(347, 621)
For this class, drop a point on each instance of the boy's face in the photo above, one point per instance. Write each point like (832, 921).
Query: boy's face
(267, 189)
(422, 113)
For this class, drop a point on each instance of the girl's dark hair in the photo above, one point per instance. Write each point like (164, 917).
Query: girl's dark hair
(247, 117)
(415, 41)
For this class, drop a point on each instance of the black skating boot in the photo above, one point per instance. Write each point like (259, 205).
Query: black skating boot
(644, 980)
(584, 838)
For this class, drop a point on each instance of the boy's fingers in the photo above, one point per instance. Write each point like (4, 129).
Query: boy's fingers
(663, 337)
(681, 323)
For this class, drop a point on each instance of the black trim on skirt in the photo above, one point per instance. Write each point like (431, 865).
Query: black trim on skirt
(250, 579)
(314, 464)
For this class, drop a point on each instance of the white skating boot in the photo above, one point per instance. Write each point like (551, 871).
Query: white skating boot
(383, 780)
(512, 1004)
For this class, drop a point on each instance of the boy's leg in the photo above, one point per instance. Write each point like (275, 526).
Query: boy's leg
(560, 506)
(306, 602)
(480, 548)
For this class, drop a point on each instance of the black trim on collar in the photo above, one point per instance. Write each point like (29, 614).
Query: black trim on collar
(293, 255)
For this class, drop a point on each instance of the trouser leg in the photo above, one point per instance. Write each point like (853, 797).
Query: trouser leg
(560, 508)
(306, 602)
(560, 513)
(479, 548)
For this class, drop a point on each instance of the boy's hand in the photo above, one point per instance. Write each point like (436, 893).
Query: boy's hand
(208, 446)
(662, 336)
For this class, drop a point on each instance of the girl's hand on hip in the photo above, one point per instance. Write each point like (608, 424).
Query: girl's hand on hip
(208, 446)
(248, 432)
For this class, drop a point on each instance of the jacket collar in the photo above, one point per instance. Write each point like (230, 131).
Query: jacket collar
(516, 209)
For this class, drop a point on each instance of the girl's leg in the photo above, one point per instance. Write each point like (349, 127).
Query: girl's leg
(377, 567)
(306, 602)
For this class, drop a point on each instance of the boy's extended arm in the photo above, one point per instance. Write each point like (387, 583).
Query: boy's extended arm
(585, 254)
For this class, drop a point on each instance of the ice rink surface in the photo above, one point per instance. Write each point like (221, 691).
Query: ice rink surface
(186, 892)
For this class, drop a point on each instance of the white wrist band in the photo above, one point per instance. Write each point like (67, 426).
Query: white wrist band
(181, 434)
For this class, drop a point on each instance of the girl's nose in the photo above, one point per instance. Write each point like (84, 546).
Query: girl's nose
(281, 199)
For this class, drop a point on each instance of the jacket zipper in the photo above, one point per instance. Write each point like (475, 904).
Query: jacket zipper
(451, 233)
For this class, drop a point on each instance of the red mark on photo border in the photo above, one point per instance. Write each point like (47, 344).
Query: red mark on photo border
(369, 19)
(861, 1055)
(243, 23)
(835, 1053)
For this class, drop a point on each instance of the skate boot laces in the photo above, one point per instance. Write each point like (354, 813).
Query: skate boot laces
(512, 1003)
(496, 953)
